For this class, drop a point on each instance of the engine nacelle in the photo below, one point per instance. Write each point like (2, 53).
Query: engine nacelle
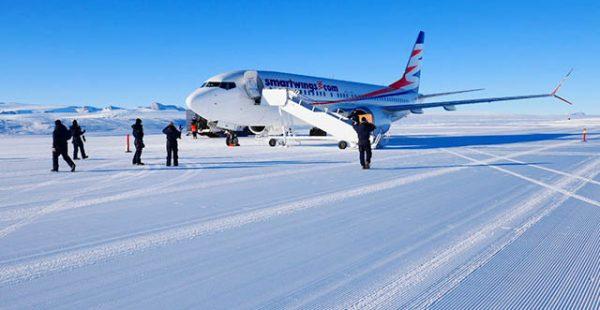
(257, 130)
(379, 118)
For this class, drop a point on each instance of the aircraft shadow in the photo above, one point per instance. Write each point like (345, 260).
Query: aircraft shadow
(431, 142)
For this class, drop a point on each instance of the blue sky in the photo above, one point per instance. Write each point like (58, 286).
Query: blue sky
(131, 53)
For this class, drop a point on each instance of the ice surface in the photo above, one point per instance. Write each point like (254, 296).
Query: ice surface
(458, 211)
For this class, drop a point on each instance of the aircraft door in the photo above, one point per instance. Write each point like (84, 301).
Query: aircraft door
(253, 86)
(358, 114)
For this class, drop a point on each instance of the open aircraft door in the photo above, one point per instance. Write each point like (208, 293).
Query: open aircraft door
(253, 85)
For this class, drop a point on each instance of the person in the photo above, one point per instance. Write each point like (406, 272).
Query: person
(78, 139)
(172, 134)
(364, 130)
(231, 139)
(194, 127)
(138, 142)
(60, 146)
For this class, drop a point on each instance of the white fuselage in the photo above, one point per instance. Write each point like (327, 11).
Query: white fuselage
(233, 99)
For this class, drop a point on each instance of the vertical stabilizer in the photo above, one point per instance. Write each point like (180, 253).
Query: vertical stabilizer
(412, 74)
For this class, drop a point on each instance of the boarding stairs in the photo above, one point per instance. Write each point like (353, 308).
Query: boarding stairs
(331, 122)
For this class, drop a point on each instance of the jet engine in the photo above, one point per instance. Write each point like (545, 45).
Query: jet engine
(257, 130)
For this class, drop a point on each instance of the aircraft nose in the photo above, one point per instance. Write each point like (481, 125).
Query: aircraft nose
(191, 99)
(196, 100)
(201, 101)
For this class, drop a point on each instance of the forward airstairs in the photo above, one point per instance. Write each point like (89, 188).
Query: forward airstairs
(336, 125)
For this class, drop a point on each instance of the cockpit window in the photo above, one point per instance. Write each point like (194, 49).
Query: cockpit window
(227, 85)
(224, 85)
(212, 84)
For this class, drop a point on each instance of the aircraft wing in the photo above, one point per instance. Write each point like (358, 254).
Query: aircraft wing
(449, 105)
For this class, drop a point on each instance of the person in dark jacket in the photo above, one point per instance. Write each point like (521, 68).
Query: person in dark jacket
(172, 135)
(138, 142)
(78, 137)
(364, 130)
(231, 138)
(60, 146)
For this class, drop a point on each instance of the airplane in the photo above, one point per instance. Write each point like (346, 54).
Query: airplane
(264, 101)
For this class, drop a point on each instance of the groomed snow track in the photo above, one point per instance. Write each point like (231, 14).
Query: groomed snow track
(509, 222)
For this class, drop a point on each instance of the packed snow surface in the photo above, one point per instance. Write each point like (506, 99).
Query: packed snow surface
(458, 211)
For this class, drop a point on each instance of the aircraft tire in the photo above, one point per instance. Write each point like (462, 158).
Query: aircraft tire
(342, 145)
(273, 142)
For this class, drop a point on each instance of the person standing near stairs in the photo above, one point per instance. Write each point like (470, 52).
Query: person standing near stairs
(364, 130)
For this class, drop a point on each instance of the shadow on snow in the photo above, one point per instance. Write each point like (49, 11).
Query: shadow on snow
(431, 142)
(210, 165)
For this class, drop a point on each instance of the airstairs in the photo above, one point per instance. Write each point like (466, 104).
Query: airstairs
(336, 125)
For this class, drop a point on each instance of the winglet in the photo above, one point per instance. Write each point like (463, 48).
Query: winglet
(561, 82)
(553, 93)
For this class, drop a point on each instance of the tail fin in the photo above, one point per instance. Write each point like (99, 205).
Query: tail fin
(412, 73)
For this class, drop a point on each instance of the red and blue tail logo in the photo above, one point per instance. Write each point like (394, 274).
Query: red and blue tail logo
(408, 84)
(412, 73)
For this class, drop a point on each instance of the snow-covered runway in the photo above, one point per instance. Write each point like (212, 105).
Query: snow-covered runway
(496, 212)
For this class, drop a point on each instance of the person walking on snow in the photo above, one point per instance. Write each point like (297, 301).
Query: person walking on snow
(364, 130)
(172, 135)
(60, 146)
(138, 142)
(78, 139)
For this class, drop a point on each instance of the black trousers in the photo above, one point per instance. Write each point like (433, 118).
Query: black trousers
(64, 152)
(137, 156)
(365, 149)
(78, 145)
(172, 153)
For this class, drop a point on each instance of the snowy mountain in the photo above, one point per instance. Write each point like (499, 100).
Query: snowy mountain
(17, 118)
(112, 108)
(162, 107)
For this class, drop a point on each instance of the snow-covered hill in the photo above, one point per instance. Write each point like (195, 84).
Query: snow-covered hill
(163, 107)
(17, 118)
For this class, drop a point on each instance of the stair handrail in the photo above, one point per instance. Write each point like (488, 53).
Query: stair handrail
(296, 97)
